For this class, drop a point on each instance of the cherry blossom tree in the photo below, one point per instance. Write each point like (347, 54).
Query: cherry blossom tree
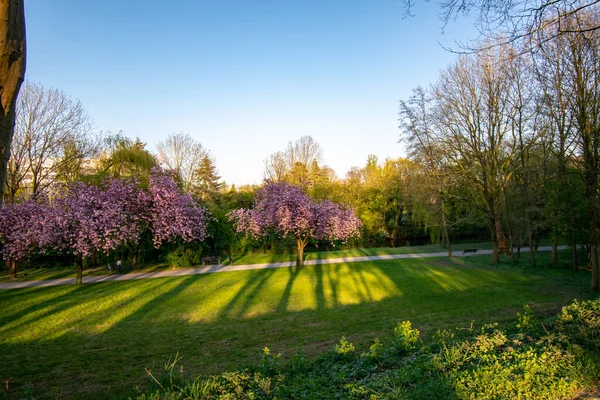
(21, 225)
(172, 214)
(288, 212)
(88, 219)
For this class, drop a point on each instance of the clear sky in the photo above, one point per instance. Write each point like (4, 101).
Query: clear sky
(243, 77)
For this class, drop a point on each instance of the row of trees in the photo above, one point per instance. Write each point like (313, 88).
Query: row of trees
(54, 143)
(84, 220)
(515, 136)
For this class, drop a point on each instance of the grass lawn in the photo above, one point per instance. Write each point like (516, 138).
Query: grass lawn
(94, 341)
(41, 272)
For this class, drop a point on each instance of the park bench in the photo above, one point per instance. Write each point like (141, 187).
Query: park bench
(469, 251)
(210, 260)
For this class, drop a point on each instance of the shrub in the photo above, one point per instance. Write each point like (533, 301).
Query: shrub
(184, 256)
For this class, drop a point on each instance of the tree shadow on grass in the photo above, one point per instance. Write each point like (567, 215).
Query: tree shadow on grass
(74, 296)
(85, 365)
(287, 291)
(244, 298)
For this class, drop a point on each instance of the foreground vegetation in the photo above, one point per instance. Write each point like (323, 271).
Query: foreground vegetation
(95, 341)
(531, 359)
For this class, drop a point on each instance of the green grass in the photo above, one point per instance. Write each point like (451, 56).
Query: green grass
(257, 258)
(41, 272)
(92, 340)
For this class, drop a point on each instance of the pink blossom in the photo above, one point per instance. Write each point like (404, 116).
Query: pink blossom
(287, 211)
(87, 218)
(173, 214)
(20, 229)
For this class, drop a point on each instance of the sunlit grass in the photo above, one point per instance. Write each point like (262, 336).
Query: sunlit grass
(41, 272)
(83, 340)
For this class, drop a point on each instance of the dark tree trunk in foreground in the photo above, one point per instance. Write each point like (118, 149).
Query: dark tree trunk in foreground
(12, 74)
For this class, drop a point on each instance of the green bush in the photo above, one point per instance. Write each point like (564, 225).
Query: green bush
(184, 255)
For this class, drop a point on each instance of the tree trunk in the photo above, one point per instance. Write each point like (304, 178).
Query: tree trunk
(12, 74)
(79, 279)
(12, 267)
(300, 255)
(554, 252)
(445, 229)
(594, 253)
(574, 251)
(394, 237)
(495, 252)
(229, 252)
(511, 243)
(595, 274)
(531, 249)
(500, 237)
(134, 257)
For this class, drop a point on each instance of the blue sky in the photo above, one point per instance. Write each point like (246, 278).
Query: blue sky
(243, 77)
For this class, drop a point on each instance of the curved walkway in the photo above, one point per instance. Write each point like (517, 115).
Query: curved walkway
(226, 268)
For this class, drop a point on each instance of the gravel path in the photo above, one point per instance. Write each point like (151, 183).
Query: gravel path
(226, 268)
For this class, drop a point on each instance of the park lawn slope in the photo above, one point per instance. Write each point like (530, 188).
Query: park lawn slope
(96, 340)
(532, 358)
(42, 272)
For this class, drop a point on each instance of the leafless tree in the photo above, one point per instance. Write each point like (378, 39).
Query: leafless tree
(509, 21)
(276, 167)
(297, 165)
(431, 180)
(582, 84)
(475, 117)
(12, 74)
(180, 152)
(52, 132)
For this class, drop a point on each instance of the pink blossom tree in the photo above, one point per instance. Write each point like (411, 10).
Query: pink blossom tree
(288, 212)
(21, 225)
(87, 219)
(173, 215)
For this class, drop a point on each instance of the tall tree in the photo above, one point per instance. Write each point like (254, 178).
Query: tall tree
(181, 153)
(207, 181)
(298, 165)
(12, 74)
(124, 157)
(431, 180)
(52, 133)
(584, 76)
(474, 114)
